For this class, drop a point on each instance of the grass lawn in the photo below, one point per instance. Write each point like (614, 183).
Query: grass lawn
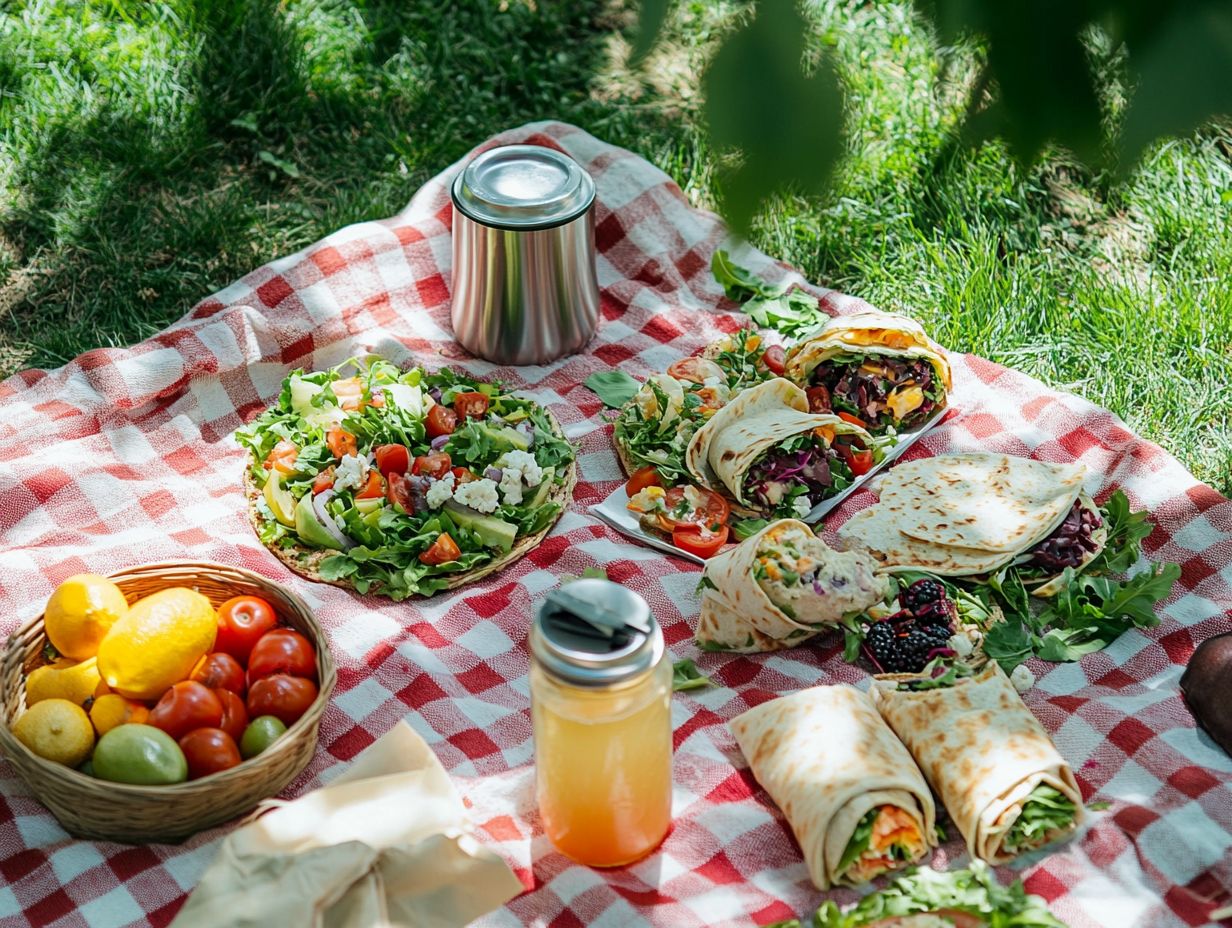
(154, 152)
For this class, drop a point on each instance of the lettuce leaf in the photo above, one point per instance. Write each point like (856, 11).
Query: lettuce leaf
(859, 841)
(1045, 809)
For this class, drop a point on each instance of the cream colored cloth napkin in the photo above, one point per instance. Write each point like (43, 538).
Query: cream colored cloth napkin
(384, 845)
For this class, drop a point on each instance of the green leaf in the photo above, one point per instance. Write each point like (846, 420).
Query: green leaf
(739, 283)
(859, 841)
(1126, 530)
(747, 528)
(1008, 643)
(337, 567)
(288, 168)
(772, 306)
(686, 676)
(1045, 810)
(615, 388)
(649, 25)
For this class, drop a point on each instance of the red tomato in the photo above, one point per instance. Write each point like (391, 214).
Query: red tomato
(374, 488)
(471, 405)
(860, 462)
(642, 478)
(442, 551)
(324, 480)
(441, 420)
(341, 442)
(241, 621)
(398, 492)
(392, 459)
(462, 475)
(234, 714)
(818, 399)
(690, 370)
(775, 359)
(283, 650)
(219, 671)
(282, 458)
(282, 696)
(712, 510)
(186, 706)
(209, 750)
(436, 464)
(854, 420)
(704, 544)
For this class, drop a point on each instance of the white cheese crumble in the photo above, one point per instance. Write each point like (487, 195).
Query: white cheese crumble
(350, 472)
(802, 506)
(1022, 678)
(511, 486)
(479, 495)
(440, 492)
(523, 464)
(961, 645)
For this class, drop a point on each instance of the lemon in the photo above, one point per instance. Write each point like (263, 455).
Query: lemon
(113, 709)
(80, 612)
(56, 730)
(63, 679)
(157, 643)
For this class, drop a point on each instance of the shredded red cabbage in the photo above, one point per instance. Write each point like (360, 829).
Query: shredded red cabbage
(1072, 540)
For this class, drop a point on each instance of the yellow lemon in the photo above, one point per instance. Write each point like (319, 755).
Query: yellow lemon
(112, 710)
(157, 643)
(63, 679)
(80, 612)
(57, 730)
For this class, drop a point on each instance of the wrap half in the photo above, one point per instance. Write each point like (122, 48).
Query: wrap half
(856, 802)
(990, 761)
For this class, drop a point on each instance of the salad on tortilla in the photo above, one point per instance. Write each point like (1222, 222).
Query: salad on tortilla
(403, 482)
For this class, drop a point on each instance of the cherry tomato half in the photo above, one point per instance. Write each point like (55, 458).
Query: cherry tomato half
(374, 488)
(324, 481)
(241, 621)
(341, 442)
(209, 750)
(701, 543)
(818, 399)
(283, 650)
(186, 706)
(462, 475)
(398, 492)
(706, 508)
(441, 420)
(642, 478)
(282, 696)
(443, 550)
(282, 458)
(854, 420)
(234, 714)
(392, 459)
(436, 464)
(219, 671)
(860, 462)
(775, 359)
(471, 405)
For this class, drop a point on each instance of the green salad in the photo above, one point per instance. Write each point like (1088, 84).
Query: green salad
(1045, 811)
(397, 481)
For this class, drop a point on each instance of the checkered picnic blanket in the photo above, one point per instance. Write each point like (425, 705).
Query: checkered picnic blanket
(126, 456)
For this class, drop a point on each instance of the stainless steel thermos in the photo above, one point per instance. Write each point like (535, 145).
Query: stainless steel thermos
(524, 285)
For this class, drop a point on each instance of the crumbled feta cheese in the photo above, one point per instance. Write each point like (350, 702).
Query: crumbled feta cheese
(1022, 678)
(479, 495)
(648, 500)
(802, 506)
(350, 472)
(511, 486)
(523, 464)
(961, 644)
(440, 492)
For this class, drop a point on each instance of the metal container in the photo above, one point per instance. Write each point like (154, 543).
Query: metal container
(524, 285)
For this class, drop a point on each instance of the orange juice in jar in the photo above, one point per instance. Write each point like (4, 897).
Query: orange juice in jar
(601, 689)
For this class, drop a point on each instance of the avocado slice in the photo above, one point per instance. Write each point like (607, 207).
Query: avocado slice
(371, 504)
(279, 500)
(309, 527)
(506, 439)
(492, 532)
(543, 490)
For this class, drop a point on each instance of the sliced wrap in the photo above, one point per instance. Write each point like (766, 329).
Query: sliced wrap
(984, 753)
(828, 760)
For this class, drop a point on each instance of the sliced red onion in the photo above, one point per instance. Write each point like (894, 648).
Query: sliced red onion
(439, 442)
(494, 474)
(435, 393)
(328, 521)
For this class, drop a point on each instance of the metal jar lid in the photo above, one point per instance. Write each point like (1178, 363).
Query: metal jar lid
(595, 633)
(523, 187)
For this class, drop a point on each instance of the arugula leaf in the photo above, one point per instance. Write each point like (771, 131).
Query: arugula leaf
(738, 283)
(686, 676)
(747, 528)
(1126, 531)
(1013, 594)
(860, 839)
(772, 306)
(1008, 643)
(615, 388)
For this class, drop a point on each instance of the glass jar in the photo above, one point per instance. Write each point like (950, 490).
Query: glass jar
(601, 711)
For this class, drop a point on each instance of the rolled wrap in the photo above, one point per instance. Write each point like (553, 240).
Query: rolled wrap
(982, 750)
(827, 758)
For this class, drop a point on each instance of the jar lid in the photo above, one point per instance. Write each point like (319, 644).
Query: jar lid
(595, 633)
(523, 187)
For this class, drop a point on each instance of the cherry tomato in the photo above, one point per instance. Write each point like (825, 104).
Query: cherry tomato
(441, 420)
(282, 458)
(324, 480)
(282, 696)
(818, 399)
(711, 510)
(462, 475)
(693, 370)
(241, 621)
(436, 464)
(642, 478)
(702, 543)
(283, 650)
(443, 550)
(186, 706)
(392, 459)
(234, 714)
(219, 671)
(374, 488)
(398, 492)
(775, 359)
(341, 442)
(471, 405)
(854, 420)
(713, 399)
(209, 750)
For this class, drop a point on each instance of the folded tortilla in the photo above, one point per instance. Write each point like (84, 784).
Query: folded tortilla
(722, 451)
(1052, 586)
(982, 750)
(876, 529)
(739, 614)
(827, 759)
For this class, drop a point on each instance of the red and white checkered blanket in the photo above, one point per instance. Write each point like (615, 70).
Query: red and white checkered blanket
(125, 456)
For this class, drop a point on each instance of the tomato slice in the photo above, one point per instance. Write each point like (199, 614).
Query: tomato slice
(374, 488)
(818, 399)
(282, 458)
(323, 481)
(705, 508)
(854, 420)
(441, 420)
(860, 462)
(392, 459)
(471, 405)
(436, 464)
(642, 478)
(701, 543)
(775, 359)
(463, 475)
(443, 550)
(341, 442)
(694, 370)
(398, 492)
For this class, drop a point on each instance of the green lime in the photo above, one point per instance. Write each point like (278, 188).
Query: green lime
(260, 734)
(139, 754)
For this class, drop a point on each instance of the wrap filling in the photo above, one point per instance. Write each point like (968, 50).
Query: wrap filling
(884, 391)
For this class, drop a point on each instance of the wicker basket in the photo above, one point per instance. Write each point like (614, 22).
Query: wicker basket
(92, 808)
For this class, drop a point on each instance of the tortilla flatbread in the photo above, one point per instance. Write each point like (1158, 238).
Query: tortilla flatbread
(876, 529)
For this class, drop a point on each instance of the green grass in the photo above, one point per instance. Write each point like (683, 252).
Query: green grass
(154, 152)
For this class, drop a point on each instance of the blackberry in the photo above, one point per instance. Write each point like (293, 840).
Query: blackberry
(902, 646)
(922, 592)
(937, 612)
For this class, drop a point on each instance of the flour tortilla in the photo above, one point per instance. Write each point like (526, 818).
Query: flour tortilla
(876, 530)
(982, 750)
(306, 561)
(722, 450)
(827, 758)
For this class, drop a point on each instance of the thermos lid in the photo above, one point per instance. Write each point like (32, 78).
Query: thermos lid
(595, 633)
(523, 187)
